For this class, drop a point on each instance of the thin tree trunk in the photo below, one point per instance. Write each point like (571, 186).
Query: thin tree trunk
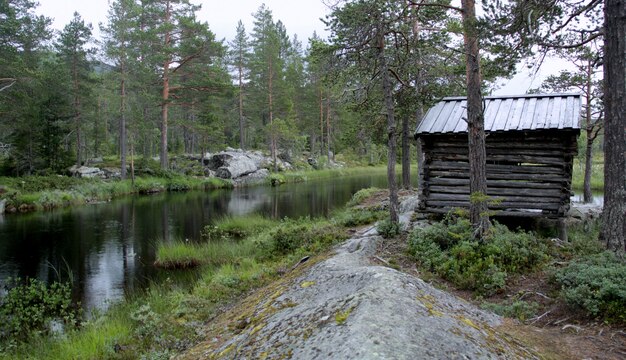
(475, 124)
(614, 214)
(328, 136)
(241, 120)
(587, 194)
(321, 99)
(165, 94)
(406, 154)
(391, 130)
(123, 121)
(77, 120)
(271, 115)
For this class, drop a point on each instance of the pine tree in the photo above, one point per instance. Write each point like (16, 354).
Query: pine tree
(72, 49)
(239, 57)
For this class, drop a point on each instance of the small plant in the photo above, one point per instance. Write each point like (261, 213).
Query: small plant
(342, 316)
(388, 229)
(28, 308)
(595, 283)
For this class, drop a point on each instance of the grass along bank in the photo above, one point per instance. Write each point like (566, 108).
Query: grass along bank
(235, 256)
(48, 192)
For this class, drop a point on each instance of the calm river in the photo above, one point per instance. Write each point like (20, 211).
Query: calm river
(110, 247)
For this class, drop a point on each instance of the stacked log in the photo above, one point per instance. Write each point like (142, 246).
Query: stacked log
(528, 173)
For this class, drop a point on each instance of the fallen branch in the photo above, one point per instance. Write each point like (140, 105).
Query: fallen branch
(540, 317)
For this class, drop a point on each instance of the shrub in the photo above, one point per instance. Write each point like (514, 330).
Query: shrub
(388, 229)
(356, 217)
(518, 309)
(293, 234)
(448, 250)
(595, 283)
(28, 308)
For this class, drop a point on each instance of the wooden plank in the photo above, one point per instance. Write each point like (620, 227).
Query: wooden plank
(524, 169)
(502, 205)
(500, 191)
(494, 183)
(511, 159)
(511, 213)
(503, 199)
(505, 151)
(501, 176)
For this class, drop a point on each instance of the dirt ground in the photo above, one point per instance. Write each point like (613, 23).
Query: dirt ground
(557, 332)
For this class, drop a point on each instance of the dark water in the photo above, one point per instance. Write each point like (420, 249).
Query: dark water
(109, 248)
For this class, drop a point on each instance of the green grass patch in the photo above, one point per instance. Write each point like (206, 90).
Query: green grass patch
(360, 196)
(49, 192)
(236, 227)
(516, 309)
(597, 173)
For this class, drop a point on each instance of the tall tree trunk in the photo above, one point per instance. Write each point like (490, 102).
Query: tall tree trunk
(614, 213)
(241, 120)
(123, 121)
(271, 115)
(165, 93)
(475, 124)
(391, 130)
(321, 99)
(328, 132)
(406, 153)
(587, 194)
(77, 114)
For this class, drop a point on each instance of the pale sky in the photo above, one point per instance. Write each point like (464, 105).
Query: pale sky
(301, 17)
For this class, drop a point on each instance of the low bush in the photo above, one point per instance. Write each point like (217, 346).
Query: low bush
(312, 235)
(518, 309)
(28, 308)
(595, 283)
(356, 217)
(388, 229)
(448, 250)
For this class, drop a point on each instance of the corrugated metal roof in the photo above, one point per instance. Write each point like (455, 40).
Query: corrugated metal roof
(506, 113)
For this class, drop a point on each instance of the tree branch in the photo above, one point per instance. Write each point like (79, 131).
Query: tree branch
(421, 3)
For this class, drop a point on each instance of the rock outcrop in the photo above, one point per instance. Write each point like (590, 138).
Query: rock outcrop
(347, 307)
(86, 171)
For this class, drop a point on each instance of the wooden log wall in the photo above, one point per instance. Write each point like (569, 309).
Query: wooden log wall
(528, 173)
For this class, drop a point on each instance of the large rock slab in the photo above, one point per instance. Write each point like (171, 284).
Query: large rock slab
(346, 307)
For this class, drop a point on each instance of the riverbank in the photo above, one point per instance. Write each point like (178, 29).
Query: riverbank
(36, 193)
(257, 279)
(235, 257)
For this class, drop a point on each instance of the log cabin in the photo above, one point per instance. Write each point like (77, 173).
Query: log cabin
(531, 141)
